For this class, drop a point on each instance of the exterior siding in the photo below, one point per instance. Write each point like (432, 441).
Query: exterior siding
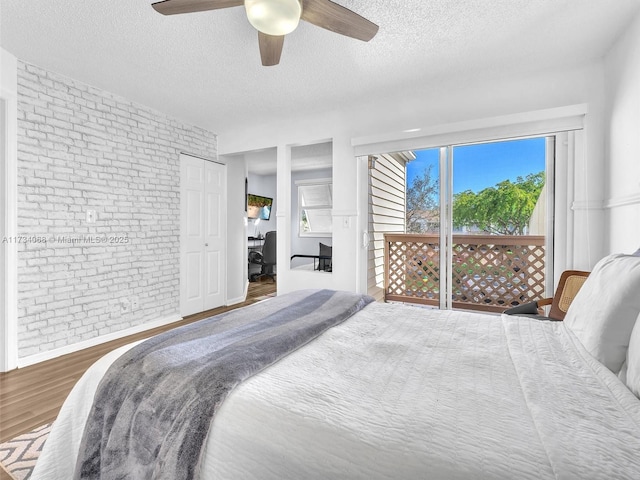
(387, 196)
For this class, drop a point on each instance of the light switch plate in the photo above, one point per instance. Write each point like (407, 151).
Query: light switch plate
(91, 216)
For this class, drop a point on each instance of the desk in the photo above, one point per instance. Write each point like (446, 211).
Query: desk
(315, 257)
(255, 243)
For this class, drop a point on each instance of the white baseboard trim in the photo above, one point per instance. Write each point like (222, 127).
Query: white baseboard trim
(234, 301)
(246, 291)
(92, 342)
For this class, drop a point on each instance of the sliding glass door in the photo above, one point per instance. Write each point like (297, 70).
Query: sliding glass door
(476, 226)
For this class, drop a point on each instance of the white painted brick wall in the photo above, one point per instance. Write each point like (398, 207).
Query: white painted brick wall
(83, 148)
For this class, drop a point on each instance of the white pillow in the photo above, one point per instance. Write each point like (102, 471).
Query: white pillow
(633, 361)
(604, 311)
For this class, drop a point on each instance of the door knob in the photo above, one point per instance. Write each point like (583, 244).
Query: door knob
(206, 244)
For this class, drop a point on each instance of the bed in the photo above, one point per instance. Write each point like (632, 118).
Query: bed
(400, 392)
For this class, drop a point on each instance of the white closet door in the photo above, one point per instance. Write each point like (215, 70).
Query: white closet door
(202, 236)
(215, 234)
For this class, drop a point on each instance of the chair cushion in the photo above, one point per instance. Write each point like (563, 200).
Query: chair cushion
(603, 313)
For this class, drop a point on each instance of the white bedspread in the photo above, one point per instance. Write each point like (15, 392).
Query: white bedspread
(399, 392)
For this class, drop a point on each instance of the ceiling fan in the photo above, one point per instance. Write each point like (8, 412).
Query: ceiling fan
(275, 18)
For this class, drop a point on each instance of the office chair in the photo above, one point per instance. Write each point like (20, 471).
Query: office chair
(266, 258)
(570, 283)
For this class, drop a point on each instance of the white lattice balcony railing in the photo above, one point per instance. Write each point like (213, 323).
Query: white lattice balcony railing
(489, 272)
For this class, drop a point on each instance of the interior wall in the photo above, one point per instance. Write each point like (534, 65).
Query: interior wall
(98, 201)
(429, 106)
(622, 201)
(236, 243)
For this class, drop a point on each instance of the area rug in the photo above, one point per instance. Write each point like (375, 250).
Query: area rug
(19, 456)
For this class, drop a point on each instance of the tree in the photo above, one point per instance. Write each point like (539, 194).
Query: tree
(504, 209)
(422, 202)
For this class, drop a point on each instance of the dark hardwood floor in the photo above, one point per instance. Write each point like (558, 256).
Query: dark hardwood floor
(32, 396)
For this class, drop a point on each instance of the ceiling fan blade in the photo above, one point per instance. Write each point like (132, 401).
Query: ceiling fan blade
(172, 7)
(334, 17)
(270, 48)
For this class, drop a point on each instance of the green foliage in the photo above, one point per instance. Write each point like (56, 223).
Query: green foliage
(422, 202)
(504, 209)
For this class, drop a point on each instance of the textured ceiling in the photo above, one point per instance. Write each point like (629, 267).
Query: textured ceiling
(205, 67)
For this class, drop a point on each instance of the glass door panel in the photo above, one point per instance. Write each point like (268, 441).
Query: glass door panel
(499, 224)
(414, 252)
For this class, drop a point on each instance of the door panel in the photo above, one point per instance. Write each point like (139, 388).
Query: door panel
(213, 284)
(215, 238)
(193, 287)
(213, 226)
(195, 214)
(203, 236)
(192, 234)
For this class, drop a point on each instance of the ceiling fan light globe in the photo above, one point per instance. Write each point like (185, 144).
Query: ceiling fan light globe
(274, 17)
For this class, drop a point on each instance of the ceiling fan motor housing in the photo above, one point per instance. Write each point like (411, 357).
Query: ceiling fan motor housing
(274, 17)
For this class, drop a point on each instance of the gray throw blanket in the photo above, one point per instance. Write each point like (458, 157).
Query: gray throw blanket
(153, 409)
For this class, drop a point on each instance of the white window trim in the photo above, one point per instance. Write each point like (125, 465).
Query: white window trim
(314, 181)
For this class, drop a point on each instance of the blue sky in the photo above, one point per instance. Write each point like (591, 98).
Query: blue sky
(476, 167)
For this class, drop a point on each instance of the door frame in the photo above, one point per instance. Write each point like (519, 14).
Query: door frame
(549, 122)
(8, 219)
